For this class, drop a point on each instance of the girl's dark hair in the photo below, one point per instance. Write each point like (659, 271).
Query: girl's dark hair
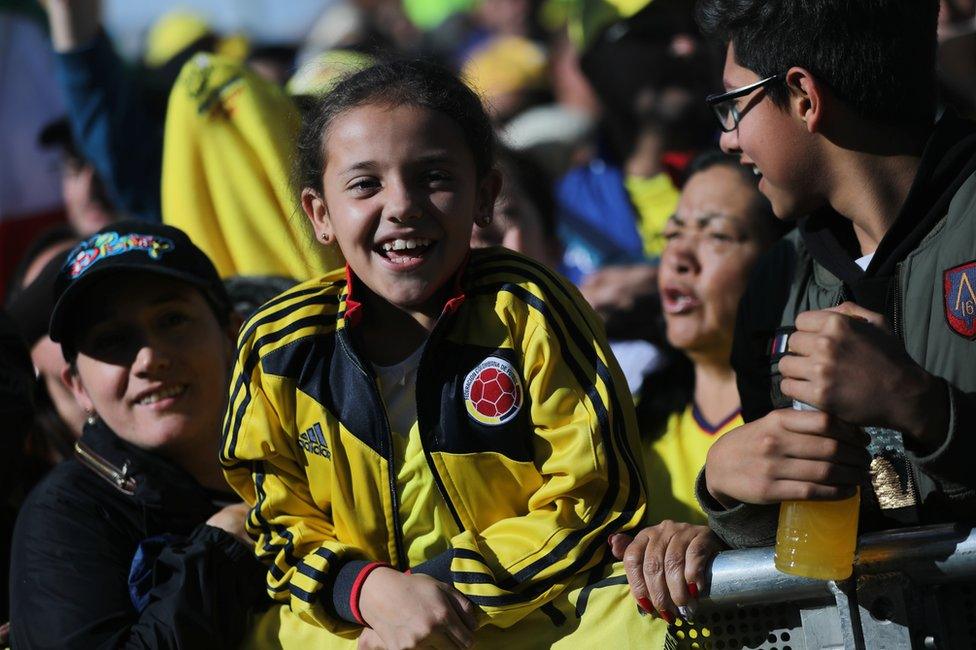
(392, 83)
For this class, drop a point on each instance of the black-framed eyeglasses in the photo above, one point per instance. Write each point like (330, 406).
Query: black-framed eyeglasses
(725, 106)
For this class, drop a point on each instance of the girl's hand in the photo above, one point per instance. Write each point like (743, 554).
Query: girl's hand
(409, 611)
(369, 640)
(787, 455)
(665, 566)
(73, 23)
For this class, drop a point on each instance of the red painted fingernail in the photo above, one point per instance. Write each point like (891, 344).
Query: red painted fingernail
(667, 616)
(693, 589)
(646, 605)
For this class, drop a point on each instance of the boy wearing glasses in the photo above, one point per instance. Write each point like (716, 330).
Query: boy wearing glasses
(868, 310)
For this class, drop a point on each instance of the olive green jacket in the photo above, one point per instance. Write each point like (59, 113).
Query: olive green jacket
(923, 279)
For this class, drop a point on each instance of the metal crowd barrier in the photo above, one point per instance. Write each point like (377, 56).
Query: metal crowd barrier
(911, 588)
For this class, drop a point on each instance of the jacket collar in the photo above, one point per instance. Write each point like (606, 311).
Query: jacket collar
(145, 476)
(948, 160)
(351, 309)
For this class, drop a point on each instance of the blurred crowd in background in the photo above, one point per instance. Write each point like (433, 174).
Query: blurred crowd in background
(598, 105)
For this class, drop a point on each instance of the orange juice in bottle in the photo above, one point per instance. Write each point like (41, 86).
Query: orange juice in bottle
(817, 539)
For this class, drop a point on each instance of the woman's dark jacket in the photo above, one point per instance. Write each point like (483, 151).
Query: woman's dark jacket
(74, 545)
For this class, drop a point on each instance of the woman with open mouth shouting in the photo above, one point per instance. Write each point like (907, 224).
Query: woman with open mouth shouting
(720, 227)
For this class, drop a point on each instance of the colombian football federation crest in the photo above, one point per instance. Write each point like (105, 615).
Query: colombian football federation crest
(959, 292)
(493, 392)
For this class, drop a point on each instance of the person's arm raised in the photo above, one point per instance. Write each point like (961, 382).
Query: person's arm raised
(73, 23)
(108, 109)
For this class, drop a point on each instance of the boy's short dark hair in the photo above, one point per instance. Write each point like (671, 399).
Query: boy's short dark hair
(878, 56)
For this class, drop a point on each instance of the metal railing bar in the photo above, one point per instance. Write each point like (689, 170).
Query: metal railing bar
(926, 554)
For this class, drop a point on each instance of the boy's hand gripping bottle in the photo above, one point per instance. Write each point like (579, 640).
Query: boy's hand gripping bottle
(817, 539)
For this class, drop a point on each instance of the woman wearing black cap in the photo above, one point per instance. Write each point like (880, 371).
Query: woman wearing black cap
(136, 542)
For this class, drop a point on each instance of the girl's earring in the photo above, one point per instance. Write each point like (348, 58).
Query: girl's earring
(325, 238)
(92, 418)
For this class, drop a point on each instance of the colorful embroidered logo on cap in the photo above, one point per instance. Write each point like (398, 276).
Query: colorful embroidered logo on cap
(959, 293)
(110, 244)
(493, 392)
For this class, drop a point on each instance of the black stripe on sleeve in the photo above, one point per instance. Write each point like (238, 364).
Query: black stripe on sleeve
(263, 317)
(232, 422)
(312, 572)
(471, 578)
(466, 554)
(301, 594)
(267, 529)
(325, 578)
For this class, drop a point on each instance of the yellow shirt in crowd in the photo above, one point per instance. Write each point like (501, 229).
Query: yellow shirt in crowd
(672, 463)
(227, 149)
(655, 199)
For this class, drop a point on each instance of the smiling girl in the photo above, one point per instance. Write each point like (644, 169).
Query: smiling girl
(436, 441)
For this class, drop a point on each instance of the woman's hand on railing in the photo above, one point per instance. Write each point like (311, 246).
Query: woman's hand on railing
(665, 566)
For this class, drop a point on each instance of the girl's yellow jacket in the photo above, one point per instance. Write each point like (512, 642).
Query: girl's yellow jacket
(526, 422)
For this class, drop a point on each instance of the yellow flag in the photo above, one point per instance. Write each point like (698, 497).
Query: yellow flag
(226, 155)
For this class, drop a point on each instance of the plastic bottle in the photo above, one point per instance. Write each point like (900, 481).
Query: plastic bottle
(817, 539)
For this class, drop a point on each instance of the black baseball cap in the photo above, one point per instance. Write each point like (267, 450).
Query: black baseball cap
(131, 245)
